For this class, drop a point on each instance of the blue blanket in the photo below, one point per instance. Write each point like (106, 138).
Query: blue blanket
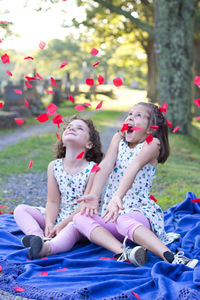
(90, 272)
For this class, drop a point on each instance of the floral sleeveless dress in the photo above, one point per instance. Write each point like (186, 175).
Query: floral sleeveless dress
(71, 186)
(137, 197)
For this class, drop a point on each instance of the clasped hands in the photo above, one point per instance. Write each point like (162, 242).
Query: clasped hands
(89, 205)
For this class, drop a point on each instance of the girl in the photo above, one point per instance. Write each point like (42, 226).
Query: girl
(127, 209)
(68, 179)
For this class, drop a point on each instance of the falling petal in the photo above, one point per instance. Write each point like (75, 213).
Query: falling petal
(95, 168)
(30, 164)
(17, 91)
(19, 121)
(89, 81)
(99, 105)
(8, 72)
(106, 258)
(100, 79)
(18, 289)
(42, 118)
(154, 127)
(1, 104)
(197, 80)
(79, 107)
(196, 200)
(38, 75)
(58, 136)
(96, 64)
(42, 44)
(28, 85)
(5, 59)
(2, 22)
(80, 155)
(87, 104)
(176, 129)
(135, 128)
(94, 51)
(149, 138)
(53, 82)
(71, 98)
(26, 103)
(49, 92)
(1, 41)
(57, 119)
(197, 102)
(0, 268)
(163, 108)
(63, 64)
(117, 81)
(3, 206)
(124, 127)
(198, 118)
(51, 107)
(169, 123)
(153, 198)
(29, 78)
(29, 57)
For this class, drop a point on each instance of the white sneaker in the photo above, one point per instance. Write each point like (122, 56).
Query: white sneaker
(137, 255)
(179, 258)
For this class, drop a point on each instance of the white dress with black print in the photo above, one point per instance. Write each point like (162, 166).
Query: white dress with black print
(137, 197)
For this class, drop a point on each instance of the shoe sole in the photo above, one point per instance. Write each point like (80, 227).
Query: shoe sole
(36, 244)
(138, 256)
(26, 240)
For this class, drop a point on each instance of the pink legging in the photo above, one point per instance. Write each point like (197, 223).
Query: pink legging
(31, 221)
(124, 226)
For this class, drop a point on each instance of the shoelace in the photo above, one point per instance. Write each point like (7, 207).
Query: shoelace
(125, 249)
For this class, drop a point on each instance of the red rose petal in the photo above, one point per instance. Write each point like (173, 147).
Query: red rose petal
(53, 82)
(2, 22)
(94, 51)
(96, 64)
(17, 91)
(176, 129)
(153, 198)
(8, 72)
(154, 127)
(80, 155)
(1, 104)
(57, 119)
(44, 258)
(51, 108)
(100, 79)
(169, 123)
(63, 64)
(0, 268)
(43, 274)
(58, 136)
(136, 128)
(197, 102)
(149, 138)
(79, 107)
(197, 80)
(19, 121)
(49, 92)
(29, 57)
(28, 85)
(18, 289)
(106, 258)
(3, 206)
(1, 212)
(64, 269)
(71, 98)
(87, 104)
(42, 118)
(5, 59)
(30, 164)
(29, 78)
(124, 127)
(1, 41)
(11, 212)
(26, 103)
(38, 75)
(89, 81)
(163, 108)
(99, 105)
(136, 295)
(95, 168)
(196, 200)
(198, 118)
(42, 44)
(117, 81)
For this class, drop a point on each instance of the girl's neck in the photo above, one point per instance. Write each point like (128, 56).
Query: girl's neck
(70, 162)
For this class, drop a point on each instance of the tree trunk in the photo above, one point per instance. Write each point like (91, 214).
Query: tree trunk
(174, 20)
(152, 75)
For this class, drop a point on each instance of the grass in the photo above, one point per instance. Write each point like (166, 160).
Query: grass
(177, 176)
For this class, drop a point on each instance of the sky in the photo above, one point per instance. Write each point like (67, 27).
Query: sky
(33, 27)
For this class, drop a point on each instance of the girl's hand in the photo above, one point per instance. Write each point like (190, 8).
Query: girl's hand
(58, 228)
(49, 230)
(113, 209)
(89, 204)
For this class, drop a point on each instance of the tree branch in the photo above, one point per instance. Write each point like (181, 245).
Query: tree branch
(117, 9)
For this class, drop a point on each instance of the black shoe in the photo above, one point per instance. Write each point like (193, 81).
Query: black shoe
(26, 240)
(36, 244)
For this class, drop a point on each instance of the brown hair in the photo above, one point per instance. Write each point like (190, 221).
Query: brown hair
(94, 154)
(156, 118)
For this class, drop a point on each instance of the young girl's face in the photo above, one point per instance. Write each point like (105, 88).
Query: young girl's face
(77, 132)
(138, 116)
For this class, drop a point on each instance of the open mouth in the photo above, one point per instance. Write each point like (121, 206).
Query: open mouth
(130, 129)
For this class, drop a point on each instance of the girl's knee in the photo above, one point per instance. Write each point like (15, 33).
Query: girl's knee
(78, 219)
(20, 209)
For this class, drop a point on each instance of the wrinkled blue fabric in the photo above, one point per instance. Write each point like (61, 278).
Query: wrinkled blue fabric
(90, 276)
